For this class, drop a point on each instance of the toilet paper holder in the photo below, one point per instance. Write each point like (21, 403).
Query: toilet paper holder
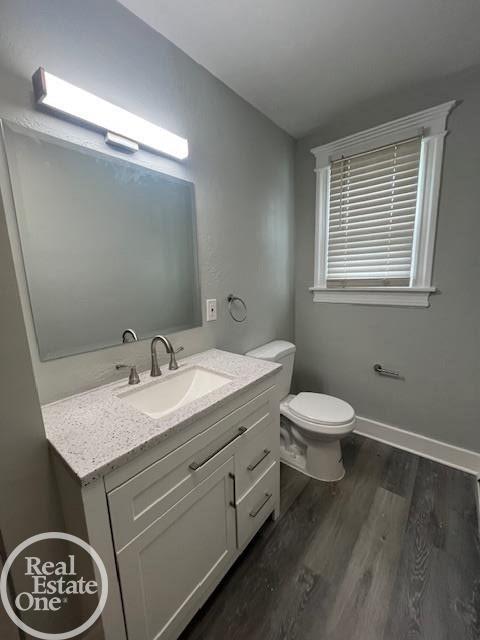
(378, 368)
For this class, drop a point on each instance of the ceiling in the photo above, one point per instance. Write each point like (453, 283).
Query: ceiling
(298, 61)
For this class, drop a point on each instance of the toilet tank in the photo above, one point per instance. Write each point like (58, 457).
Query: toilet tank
(278, 351)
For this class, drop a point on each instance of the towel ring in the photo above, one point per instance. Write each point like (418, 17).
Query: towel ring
(231, 299)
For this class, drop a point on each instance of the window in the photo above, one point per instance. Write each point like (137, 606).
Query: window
(377, 200)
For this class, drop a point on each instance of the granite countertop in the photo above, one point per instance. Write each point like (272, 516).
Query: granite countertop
(95, 432)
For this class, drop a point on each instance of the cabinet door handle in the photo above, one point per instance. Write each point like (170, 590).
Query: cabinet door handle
(194, 466)
(233, 503)
(254, 465)
(255, 512)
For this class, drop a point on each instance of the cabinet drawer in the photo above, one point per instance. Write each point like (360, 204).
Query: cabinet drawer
(256, 505)
(259, 448)
(138, 502)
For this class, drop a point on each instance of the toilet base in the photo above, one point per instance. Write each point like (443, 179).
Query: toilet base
(323, 462)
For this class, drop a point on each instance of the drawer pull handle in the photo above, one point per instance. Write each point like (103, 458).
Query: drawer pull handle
(254, 465)
(194, 466)
(255, 512)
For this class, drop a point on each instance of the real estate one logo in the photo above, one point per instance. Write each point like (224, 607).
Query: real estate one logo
(52, 584)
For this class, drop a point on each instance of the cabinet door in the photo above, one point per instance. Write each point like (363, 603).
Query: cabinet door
(167, 571)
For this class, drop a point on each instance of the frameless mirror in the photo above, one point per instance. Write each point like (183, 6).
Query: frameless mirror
(107, 244)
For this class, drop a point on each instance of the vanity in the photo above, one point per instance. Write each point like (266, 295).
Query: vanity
(169, 480)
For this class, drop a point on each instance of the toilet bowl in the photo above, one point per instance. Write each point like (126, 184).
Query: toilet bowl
(312, 424)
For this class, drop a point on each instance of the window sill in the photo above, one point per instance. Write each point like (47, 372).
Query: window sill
(381, 296)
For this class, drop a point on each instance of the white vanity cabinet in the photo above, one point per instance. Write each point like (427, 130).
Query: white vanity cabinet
(180, 513)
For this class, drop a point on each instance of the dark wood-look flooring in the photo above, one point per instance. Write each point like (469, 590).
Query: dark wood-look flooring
(391, 552)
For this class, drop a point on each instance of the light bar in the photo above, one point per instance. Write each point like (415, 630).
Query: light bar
(66, 98)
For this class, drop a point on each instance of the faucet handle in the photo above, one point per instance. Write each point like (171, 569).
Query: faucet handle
(133, 378)
(173, 366)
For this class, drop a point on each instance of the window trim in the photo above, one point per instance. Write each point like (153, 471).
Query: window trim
(431, 124)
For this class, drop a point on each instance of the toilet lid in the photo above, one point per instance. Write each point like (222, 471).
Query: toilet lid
(317, 407)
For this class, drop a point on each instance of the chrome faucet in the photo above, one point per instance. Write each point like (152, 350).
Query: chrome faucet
(155, 370)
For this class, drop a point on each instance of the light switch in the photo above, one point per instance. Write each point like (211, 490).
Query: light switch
(211, 309)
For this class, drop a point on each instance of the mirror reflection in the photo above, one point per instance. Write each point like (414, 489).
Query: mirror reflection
(107, 244)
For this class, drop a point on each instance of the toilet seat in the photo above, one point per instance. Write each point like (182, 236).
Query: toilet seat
(322, 409)
(319, 414)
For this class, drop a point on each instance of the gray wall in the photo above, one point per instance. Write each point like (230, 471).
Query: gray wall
(241, 163)
(29, 503)
(437, 349)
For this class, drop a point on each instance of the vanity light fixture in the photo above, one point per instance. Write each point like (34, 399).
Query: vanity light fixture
(122, 128)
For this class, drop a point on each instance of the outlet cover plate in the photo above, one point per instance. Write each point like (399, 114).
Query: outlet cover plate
(211, 309)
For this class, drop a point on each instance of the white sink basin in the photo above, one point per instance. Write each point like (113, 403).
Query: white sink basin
(159, 397)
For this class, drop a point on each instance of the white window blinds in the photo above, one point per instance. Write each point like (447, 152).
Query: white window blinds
(372, 216)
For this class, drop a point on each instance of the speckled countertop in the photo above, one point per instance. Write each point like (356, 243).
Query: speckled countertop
(95, 432)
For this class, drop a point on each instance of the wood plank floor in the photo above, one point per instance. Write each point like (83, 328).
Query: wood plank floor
(391, 552)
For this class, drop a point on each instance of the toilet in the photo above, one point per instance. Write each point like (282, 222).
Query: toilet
(311, 424)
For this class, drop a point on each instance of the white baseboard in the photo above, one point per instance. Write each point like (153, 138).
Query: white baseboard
(468, 461)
